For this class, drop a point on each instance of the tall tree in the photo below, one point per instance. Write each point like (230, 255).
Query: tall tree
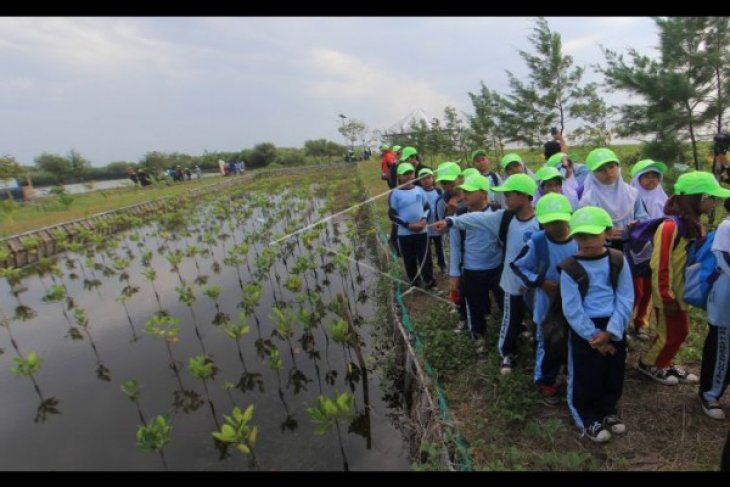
(353, 131)
(553, 93)
(488, 125)
(79, 165)
(57, 165)
(717, 45)
(9, 167)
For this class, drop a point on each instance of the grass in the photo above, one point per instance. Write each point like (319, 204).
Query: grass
(47, 211)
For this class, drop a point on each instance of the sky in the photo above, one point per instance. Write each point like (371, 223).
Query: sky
(114, 88)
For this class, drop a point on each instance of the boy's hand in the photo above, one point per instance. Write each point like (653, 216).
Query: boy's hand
(614, 233)
(439, 226)
(602, 338)
(550, 287)
(417, 227)
(453, 284)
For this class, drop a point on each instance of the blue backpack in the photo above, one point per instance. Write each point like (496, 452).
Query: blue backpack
(701, 272)
(640, 246)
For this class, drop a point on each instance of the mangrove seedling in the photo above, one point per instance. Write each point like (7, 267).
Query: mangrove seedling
(237, 431)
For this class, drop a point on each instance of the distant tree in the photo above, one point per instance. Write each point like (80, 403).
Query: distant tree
(9, 167)
(553, 93)
(262, 155)
(457, 132)
(55, 164)
(353, 130)
(155, 162)
(717, 42)
(487, 125)
(78, 163)
(118, 168)
(322, 148)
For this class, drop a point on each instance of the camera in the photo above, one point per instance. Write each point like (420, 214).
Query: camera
(553, 130)
(722, 143)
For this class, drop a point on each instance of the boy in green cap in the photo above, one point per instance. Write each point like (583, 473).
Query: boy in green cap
(536, 266)
(480, 160)
(512, 228)
(597, 307)
(475, 259)
(433, 195)
(447, 173)
(408, 209)
(549, 180)
(695, 193)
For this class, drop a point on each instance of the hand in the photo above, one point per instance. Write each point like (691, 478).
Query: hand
(439, 226)
(601, 339)
(550, 287)
(417, 227)
(453, 283)
(632, 223)
(615, 233)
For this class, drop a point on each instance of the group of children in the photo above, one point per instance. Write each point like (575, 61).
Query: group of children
(553, 243)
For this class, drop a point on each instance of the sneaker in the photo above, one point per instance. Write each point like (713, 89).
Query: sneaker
(596, 432)
(643, 336)
(506, 367)
(682, 375)
(614, 424)
(712, 408)
(461, 326)
(659, 374)
(549, 395)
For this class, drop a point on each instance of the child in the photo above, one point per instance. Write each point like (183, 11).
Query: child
(408, 209)
(447, 174)
(519, 223)
(693, 195)
(553, 213)
(475, 259)
(433, 195)
(605, 188)
(549, 180)
(598, 321)
(512, 164)
(646, 177)
(481, 162)
(714, 376)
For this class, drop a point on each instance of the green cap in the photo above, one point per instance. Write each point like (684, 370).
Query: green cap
(408, 152)
(553, 207)
(469, 171)
(475, 182)
(640, 166)
(447, 171)
(509, 159)
(424, 172)
(598, 157)
(404, 167)
(384, 147)
(700, 182)
(477, 153)
(522, 183)
(546, 173)
(591, 220)
(555, 159)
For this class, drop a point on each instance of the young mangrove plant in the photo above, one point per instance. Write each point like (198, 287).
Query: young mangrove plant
(82, 322)
(155, 435)
(328, 412)
(237, 432)
(213, 292)
(30, 366)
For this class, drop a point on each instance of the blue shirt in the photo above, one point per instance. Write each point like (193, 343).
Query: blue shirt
(719, 297)
(601, 301)
(481, 249)
(526, 267)
(432, 196)
(407, 206)
(518, 233)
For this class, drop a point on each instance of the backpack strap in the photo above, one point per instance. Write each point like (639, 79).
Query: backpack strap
(576, 272)
(507, 217)
(616, 263)
(541, 252)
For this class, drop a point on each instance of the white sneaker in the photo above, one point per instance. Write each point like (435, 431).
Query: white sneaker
(682, 375)
(506, 367)
(712, 408)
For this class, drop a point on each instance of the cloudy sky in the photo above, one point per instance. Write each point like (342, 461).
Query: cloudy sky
(116, 88)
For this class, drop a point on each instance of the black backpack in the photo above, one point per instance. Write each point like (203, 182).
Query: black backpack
(555, 326)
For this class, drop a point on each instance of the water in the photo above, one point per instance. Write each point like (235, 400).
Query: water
(96, 423)
(97, 185)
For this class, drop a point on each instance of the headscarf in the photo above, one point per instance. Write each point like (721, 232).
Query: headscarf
(653, 200)
(617, 198)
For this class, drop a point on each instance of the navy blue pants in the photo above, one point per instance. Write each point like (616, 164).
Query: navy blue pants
(476, 285)
(413, 249)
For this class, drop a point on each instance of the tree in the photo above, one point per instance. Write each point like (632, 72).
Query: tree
(717, 41)
(676, 88)
(488, 125)
(155, 162)
(322, 148)
(456, 131)
(56, 165)
(353, 130)
(9, 167)
(262, 155)
(553, 93)
(78, 164)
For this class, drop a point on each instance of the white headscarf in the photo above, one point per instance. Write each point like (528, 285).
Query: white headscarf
(653, 200)
(722, 237)
(618, 198)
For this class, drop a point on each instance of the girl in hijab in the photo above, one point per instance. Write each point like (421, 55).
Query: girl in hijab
(646, 177)
(604, 187)
(714, 375)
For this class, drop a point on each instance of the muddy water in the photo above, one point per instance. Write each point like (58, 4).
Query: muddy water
(92, 425)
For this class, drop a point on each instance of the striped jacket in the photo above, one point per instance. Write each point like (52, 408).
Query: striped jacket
(668, 261)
